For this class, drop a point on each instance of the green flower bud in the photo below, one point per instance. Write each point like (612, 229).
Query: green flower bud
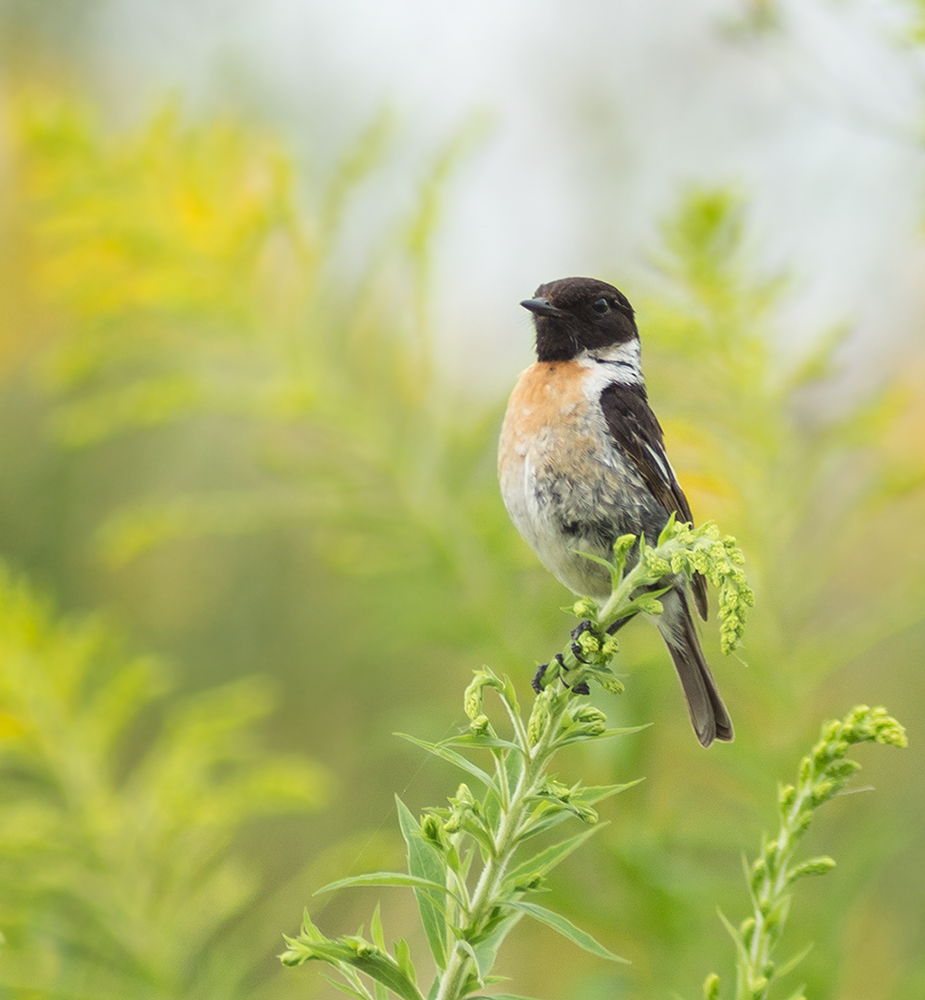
(786, 796)
(480, 725)
(841, 770)
(584, 608)
(589, 644)
(588, 715)
(711, 987)
(538, 719)
(433, 831)
(655, 564)
(463, 796)
(472, 699)
(649, 605)
(623, 544)
(591, 723)
(556, 790)
(822, 791)
(815, 866)
(587, 815)
(529, 884)
(611, 684)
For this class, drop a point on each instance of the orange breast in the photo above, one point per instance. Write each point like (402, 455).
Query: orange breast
(547, 395)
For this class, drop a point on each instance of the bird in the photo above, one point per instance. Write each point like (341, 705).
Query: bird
(582, 462)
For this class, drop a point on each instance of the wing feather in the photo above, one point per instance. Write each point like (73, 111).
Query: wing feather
(637, 431)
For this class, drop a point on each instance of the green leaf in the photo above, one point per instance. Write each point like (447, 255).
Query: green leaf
(442, 751)
(425, 862)
(607, 734)
(359, 955)
(378, 935)
(486, 945)
(792, 963)
(394, 879)
(593, 794)
(344, 988)
(481, 742)
(375, 928)
(545, 861)
(381, 968)
(735, 935)
(615, 570)
(568, 930)
(403, 957)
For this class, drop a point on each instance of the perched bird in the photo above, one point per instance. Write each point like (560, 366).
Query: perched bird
(582, 461)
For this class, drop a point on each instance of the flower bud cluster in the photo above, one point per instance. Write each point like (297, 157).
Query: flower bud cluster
(821, 775)
(473, 698)
(685, 551)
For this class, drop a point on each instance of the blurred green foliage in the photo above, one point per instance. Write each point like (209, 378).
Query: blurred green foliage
(117, 866)
(221, 432)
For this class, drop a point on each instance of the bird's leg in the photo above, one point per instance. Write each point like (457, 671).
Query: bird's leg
(615, 627)
(577, 632)
(537, 682)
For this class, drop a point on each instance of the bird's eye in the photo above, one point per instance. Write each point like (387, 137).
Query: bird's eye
(600, 305)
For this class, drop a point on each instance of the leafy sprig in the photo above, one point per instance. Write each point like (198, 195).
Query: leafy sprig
(821, 776)
(469, 863)
(681, 550)
(465, 860)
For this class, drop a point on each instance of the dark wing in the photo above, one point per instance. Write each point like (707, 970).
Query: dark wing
(636, 429)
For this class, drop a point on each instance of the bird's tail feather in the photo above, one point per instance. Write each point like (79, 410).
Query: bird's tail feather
(708, 713)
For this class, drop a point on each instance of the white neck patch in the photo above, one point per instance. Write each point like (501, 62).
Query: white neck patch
(619, 363)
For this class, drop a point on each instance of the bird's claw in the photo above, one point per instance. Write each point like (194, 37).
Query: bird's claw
(577, 632)
(537, 682)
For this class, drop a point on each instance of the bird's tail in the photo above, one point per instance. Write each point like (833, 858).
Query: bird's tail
(708, 713)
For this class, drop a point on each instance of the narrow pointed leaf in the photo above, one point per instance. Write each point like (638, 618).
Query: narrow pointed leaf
(568, 930)
(344, 988)
(792, 963)
(425, 862)
(403, 957)
(395, 879)
(385, 970)
(545, 861)
(608, 734)
(375, 928)
(439, 750)
(481, 742)
(593, 794)
(735, 935)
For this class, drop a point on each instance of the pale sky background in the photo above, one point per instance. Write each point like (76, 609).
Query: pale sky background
(601, 110)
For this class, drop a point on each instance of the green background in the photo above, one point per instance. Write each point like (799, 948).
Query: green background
(252, 529)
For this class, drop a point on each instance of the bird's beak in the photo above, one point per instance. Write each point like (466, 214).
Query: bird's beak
(541, 307)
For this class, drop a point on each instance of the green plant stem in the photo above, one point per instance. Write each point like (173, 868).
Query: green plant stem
(487, 891)
(753, 981)
(821, 776)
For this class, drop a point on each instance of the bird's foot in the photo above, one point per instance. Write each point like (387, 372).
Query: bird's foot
(615, 627)
(577, 632)
(537, 682)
